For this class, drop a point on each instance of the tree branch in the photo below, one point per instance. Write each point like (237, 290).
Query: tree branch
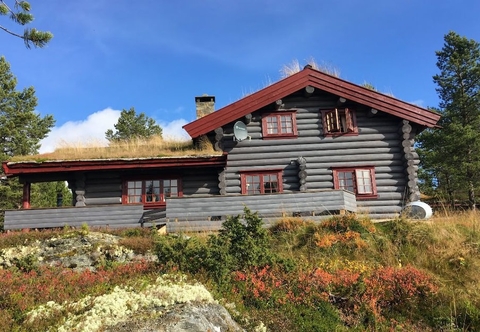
(11, 32)
(22, 16)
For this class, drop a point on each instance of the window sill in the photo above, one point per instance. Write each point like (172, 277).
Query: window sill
(365, 197)
(149, 205)
(340, 134)
(279, 137)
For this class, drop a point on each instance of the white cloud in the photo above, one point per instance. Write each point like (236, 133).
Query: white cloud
(81, 133)
(91, 131)
(174, 130)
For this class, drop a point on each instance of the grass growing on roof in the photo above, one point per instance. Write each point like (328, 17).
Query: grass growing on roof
(137, 148)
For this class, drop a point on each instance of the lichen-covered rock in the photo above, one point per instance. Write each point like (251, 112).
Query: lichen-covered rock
(170, 304)
(75, 251)
(190, 317)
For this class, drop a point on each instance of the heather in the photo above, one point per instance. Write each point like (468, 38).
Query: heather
(344, 274)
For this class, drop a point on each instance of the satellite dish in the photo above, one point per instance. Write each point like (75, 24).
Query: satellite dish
(240, 131)
(418, 210)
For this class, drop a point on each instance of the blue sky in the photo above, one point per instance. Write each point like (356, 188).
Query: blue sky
(157, 55)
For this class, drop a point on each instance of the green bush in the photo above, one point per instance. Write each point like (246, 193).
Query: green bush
(322, 318)
(249, 243)
(180, 251)
(27, 263)
(397, 230)
(469, 317)
(238, 245)
(348, 222)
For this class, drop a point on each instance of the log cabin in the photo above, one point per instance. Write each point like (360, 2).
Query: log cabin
(309, 145)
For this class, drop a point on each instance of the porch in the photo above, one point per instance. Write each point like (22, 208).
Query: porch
(205, 213)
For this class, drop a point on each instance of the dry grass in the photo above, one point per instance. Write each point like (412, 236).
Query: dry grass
(295, 67)
(290, 224)
(139, 244)
(451, 243)
(138, 148)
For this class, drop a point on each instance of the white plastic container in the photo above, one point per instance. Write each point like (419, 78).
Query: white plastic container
(418, 210)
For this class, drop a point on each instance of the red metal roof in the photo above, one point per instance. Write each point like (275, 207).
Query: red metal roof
(321, 81)
(56, 166)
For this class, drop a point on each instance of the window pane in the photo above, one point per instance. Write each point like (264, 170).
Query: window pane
(134, 199)
(262, 183)
(134, 191)
(272, 125)
(170, 188)
(286, 123)
(270, 183)
(338, 121)
(253, 184)
(364, 182)
(342, 121)
(152, 191)
(332, 121)
(345, 181)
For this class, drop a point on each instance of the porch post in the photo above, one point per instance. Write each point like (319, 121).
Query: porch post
(80, 190)
(26, 195)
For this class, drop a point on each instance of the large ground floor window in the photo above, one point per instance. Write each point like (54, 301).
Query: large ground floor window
(150, 191)
(261, 182)
(359, 180)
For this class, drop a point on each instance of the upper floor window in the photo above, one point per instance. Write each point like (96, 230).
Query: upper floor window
(261, 182)
(150, 191)
(279, 124)
(339, 122)
(359, 180)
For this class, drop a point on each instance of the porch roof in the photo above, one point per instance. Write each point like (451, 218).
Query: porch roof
(12, 169)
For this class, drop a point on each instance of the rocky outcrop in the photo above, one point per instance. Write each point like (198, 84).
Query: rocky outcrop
(76, 250)
(190, 317)
(167, 306)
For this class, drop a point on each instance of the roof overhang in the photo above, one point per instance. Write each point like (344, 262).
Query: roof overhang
(12, 169)
(321, 81)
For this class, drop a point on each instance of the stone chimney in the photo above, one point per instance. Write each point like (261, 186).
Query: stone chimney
(205, 105)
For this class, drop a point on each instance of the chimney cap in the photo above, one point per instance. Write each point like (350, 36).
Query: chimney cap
(204, 98)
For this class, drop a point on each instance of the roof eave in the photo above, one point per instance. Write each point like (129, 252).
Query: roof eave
(318, 80)
(12, 169)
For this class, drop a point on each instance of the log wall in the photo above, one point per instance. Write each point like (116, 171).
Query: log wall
(378, 143)
(113, 216)
(105, 188)
(209, 212)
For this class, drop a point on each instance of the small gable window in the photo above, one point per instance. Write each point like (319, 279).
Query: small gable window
(359, 180)
(340, 121)
(150, 191)
(264, 182)
(279, 124)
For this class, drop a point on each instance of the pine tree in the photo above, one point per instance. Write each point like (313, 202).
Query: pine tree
(20, 14)
(50, 194)
(451, 155)
(21, 130)
(131, 125)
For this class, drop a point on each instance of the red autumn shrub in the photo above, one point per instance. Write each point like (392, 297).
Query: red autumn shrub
(396, 289)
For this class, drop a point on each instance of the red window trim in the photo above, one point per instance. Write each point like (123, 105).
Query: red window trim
(351, 122)
(244, 174)
(371, 169)
(277, 114)
(160, 203)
